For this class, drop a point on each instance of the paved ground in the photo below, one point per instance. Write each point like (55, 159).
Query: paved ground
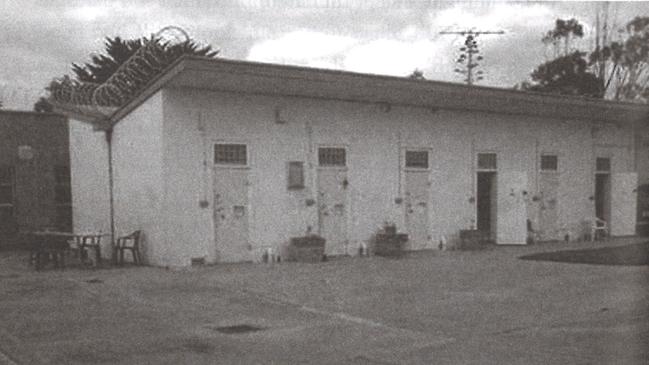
(478, 307)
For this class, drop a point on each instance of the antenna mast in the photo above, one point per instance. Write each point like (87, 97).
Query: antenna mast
(470, 53)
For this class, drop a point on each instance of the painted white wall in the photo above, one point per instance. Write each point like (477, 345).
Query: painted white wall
(89, 181)
(642, 154)
(138, 184)
(195, 119)
(623, 203)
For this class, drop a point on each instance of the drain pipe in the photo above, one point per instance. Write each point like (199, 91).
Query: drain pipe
(109, 139)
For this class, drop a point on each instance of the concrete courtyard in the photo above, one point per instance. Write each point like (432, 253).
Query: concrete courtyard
(435, 307)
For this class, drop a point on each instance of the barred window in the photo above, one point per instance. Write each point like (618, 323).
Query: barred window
(603, 164)
(6, 185)
(549, 163)
(331, 156)
(487, 161)
(296, 175)
(417, 159)
(230, 154)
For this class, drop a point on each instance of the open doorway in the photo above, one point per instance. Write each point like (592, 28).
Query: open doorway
(603, 188)
(486, 203)
(602, 196)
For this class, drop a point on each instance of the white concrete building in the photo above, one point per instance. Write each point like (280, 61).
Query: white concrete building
(220, 159)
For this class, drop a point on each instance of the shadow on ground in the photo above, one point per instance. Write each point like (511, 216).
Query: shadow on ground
(631, 255)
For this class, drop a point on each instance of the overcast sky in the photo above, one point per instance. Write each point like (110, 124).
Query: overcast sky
(40, 39)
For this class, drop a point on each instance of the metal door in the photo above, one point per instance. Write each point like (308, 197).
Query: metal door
(548, 212)
(417, 193)
(623, 203)
(231, 214)
(332, 209)
(511, 210)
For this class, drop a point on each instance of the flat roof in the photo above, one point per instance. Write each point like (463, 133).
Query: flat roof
(219, 74)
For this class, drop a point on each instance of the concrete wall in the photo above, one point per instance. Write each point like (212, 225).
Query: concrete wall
(138, 183)
(34, 195)
(89, 181)
(373, 134)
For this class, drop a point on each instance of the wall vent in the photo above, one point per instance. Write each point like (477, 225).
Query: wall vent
(198, 261)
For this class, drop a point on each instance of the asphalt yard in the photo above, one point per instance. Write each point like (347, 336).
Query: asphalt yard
(436, 307)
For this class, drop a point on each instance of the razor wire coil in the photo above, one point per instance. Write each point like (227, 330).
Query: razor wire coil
(129, 78)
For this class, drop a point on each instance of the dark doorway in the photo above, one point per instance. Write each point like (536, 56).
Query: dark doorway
(486, 203)
(602, 196)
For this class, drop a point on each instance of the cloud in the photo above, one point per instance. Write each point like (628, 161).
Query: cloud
(301, 47)
(414, 45)
(41, 38)
(91, 13)
(501, 16)
(390, 56)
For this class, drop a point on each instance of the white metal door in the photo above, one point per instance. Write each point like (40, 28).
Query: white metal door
(231, 214)
(623, 203)
(548, 212)
(332, 209)
(417, 192)
(511, 216)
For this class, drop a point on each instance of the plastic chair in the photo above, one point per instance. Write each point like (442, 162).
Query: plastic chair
(89, 241)
(598, 229)
(129, 243)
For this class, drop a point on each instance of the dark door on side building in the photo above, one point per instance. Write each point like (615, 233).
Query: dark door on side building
(603, 188)
(7, 200)
(602, 196)
(486, 202)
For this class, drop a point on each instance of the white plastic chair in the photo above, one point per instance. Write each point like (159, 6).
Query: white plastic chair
(598, 228)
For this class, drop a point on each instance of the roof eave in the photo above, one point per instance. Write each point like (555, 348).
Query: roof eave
(593, 109)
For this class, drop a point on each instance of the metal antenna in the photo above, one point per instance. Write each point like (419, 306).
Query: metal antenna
(470, 53)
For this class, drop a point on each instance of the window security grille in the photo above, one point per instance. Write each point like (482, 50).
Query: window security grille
(331, 156)
(603, 164)
(230, 154)
(487, 161)
(549, 163)
(417, 159)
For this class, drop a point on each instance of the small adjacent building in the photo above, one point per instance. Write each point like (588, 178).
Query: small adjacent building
(34, 172)
(220, 160)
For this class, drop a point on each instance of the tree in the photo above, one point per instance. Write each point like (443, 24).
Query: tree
(620, 66)
(417, 74)
(566, 31)
(468, 60)
(118, 51)
(624, 64)
(568, 72)
(568, 75)
(43, 106)
(114, 77)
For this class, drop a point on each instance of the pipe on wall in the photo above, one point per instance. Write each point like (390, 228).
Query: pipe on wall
(108, 133)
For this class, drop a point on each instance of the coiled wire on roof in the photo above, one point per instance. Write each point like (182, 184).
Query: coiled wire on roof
(131, 76)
